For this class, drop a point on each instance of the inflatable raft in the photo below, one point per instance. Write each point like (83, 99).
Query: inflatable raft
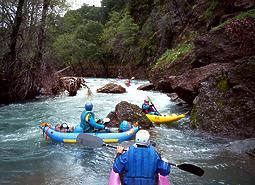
(114, 179)
(70, 137)
(164, 119)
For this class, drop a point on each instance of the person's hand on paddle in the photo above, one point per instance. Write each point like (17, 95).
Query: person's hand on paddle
(119, 149)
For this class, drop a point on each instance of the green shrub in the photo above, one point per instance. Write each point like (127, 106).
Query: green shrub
(173, 54)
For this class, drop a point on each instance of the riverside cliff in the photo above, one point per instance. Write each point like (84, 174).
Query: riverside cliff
(211, 65)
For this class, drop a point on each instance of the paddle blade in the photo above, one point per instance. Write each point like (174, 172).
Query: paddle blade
(191, 168)
(89, 140)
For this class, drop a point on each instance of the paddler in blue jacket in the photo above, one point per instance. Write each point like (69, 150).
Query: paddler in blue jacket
(140, 164)
(148, 108)
(88, 122)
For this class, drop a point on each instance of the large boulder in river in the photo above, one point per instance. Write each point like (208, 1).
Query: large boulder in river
(111, 88)
(146, 87)
(70, 84)
(129, 112)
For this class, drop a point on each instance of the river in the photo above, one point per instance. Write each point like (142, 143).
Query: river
(26, 158)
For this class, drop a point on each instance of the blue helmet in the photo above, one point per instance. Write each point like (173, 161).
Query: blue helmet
(125, 126)
(88, 106)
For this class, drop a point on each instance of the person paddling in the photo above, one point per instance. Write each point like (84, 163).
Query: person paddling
(149, 108)
(140, 163)
(88, 122)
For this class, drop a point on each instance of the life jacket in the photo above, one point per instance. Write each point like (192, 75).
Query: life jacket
(85, 116)
(146, 108)
(141, 165)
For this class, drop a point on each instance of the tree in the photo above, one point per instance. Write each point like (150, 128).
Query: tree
(81, 46)
(119, 36)
(108, 6)
(41, 34)
(15, 32)
(23, 44)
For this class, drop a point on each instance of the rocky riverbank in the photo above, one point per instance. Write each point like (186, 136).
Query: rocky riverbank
(216, 76)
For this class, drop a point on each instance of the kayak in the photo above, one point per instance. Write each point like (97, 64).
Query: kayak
(70, 137)
(114, 179)
(164, 119)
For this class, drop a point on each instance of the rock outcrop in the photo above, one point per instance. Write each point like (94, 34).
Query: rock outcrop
(226, 103)
(146, 87)
(186, 85)
(70, 84)
(216, 76)
(129, 112)
(111, 88)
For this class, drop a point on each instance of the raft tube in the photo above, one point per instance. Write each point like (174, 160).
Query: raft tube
(164, 119)
(107, 137)
(114, 179)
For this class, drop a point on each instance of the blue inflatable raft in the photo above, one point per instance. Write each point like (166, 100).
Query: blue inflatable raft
(70, 137)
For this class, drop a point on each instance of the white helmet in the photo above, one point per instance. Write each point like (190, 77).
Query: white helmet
(142, 137)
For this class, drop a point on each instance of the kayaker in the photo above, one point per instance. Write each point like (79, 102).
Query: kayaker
(127, 82)
(88, 122)
(140, 164)
(125, 126)
(63, 127)
(148, 108)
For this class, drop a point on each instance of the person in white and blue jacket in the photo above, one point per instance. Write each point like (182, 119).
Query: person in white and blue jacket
(140, 164)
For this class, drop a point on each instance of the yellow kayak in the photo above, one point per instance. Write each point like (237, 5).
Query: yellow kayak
(164, 119)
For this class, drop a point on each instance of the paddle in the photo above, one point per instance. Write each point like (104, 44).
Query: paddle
(189, 168)
(95, 142)
(91, 141)
(132, 78)
(153, 105)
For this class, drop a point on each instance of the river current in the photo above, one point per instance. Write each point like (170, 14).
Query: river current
(26, 158)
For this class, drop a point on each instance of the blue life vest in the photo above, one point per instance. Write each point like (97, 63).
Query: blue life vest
(140, 165)
(85, 116)
(88, 122)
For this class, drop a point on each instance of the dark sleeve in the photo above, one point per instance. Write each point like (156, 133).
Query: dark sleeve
(162, 167)
(120, 163)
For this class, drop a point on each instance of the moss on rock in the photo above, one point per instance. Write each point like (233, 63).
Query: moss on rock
(222, 85)
(193, 117)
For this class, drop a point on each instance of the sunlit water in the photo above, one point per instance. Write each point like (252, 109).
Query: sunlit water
(26, 158)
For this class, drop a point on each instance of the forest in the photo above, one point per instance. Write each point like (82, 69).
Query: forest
(40, 37)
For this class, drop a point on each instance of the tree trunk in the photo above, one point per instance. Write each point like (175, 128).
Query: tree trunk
(15, 32)
(41, 34)
(82, 70)
(178, 11)
(105, 66)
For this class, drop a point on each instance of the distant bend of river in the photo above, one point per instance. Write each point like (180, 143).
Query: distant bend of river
(26, 158)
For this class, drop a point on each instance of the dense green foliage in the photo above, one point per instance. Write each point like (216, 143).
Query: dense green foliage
(80, 45)
(124, 32)
(146, 34)
(119, 36)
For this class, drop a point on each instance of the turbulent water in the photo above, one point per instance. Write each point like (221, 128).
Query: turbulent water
(26, 158)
